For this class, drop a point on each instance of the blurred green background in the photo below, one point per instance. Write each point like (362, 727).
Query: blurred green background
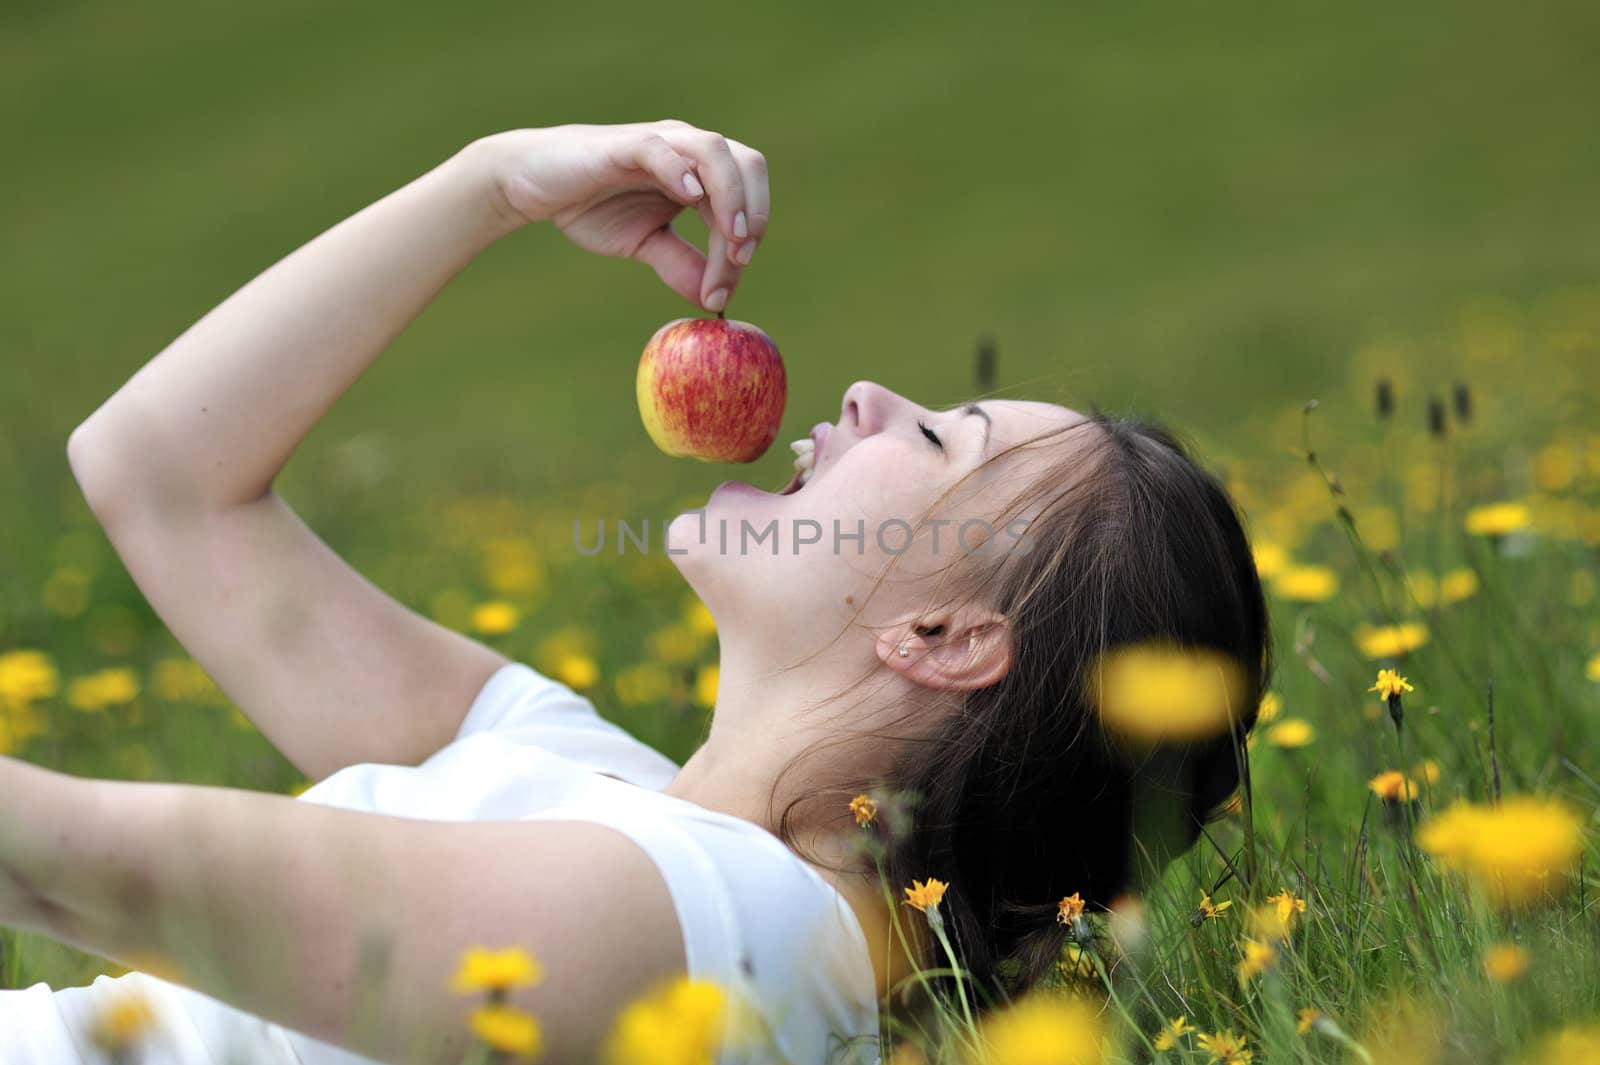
(1209, 213)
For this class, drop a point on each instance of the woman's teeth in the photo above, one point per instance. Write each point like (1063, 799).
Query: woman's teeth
(805, 457)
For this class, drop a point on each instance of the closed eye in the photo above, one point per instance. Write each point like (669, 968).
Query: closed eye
(929, 434)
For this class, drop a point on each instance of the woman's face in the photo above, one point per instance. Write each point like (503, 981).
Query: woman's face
(801, 564)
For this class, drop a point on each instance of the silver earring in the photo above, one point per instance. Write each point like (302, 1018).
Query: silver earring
(905, 652)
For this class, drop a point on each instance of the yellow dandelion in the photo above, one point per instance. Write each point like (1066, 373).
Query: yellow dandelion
(495, 618)
(1171, 1032)
(1515, 852)
(577, 670)
(685, 1022)
(674, 644)
(1457, 585)
(1225, 1048)
(1153, 692)
(644, 682)
(864, 809)
(122, 1022)
(26, 676)
(507, 1029)
(1045, 1028)
(1308, 1017)
(1291, 733)
(1573, 1045)
(1390, 685)
(1306, 584)
(483, 969)
(1428, 770)
(1269, 709)
(1393, 786)
(705, 685)
(1289, 906)
(183, 680)
(1270, 559)
(1390, 641)
(1069, 909)
(102, 689)
(698, 617)
(1498, 519)
(1506, 962)
(1592, 670)
(1208, 910)
(920, 896)
(1258, 957)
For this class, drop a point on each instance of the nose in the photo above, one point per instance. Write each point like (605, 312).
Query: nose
(868, 406)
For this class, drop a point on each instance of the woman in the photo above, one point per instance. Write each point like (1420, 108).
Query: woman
(463, 799)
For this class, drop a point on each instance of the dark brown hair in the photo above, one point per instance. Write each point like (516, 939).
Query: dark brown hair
(1018, 798)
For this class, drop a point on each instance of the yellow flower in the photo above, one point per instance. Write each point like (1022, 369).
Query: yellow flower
(108, 687)
(1308, 1017)
(507, 1029)
(645, 682)
(1174, 1030)
(1573, 1045)
(1498, 519)
(495, 618)
(1592, 670)
(1270, 559)
(1045, 1028)
(1154, 692)
(1506, 962)
(686, 1022)
(495, 970)
(1271, 706)
(920, 896)
(1258, 958)
(1510, 850)
(577, 671)
(1306, 584)
(1393, 786)
(183, 680)
(674, 643)
(699, 619)
(1390, 641)
(26, 676)
(1457, 585)
(1291, 733)
(1209, 911)
(1390, 685)
(865, 809)
(705, 685)
(511, 566)
(1289, 905)
(1069, 909)
(1428, 770)
(122, 1022)
(1225, 1048)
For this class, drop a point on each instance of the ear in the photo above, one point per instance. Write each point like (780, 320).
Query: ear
(958, 650)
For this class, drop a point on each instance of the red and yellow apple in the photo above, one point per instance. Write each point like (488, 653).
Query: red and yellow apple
(713, 389)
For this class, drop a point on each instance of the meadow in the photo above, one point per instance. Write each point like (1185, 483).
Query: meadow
(1349, 254)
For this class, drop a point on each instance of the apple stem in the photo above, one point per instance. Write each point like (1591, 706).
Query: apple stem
(721, 316)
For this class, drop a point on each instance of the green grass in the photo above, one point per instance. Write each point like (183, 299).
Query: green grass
(1206, 213)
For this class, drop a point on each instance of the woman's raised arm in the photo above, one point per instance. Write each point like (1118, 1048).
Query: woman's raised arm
(178, 464)
(280, 907)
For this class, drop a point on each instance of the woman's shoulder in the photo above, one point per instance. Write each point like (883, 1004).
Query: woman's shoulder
(760, 921)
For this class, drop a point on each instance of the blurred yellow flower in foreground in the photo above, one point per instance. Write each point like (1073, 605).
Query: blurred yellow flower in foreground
(1153, 692)
(1225, 1048)
(1270, 559)
(1506, 962)
(577, 671)
(705, 686)
(507, 1029)
(1306, 584)
(495, 618)
(27, 676)
(920, 896)
(108, 687)
(1390, 641)
(483, 969)
(1308, 1018)
(1592, 670)
(1294, 732)
(699, 619)
(1510, 850)
(1271, 706)
(1258, 957)
(1044, 1028)
(1498, 519)
(122, 1022)
(684, 1023)
(1577, 1044)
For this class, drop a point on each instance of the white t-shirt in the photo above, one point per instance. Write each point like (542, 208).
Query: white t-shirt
(754, 917)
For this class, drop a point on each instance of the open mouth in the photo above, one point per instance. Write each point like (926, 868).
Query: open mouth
(805, 459)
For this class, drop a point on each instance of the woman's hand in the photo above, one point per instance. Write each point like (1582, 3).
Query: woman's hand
(614, 190)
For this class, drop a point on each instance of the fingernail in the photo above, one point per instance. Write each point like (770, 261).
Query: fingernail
(740, 228)
(717, 300)
(746, 252)
(691, 184)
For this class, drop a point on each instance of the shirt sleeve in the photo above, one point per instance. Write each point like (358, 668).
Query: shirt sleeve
(520, 705)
